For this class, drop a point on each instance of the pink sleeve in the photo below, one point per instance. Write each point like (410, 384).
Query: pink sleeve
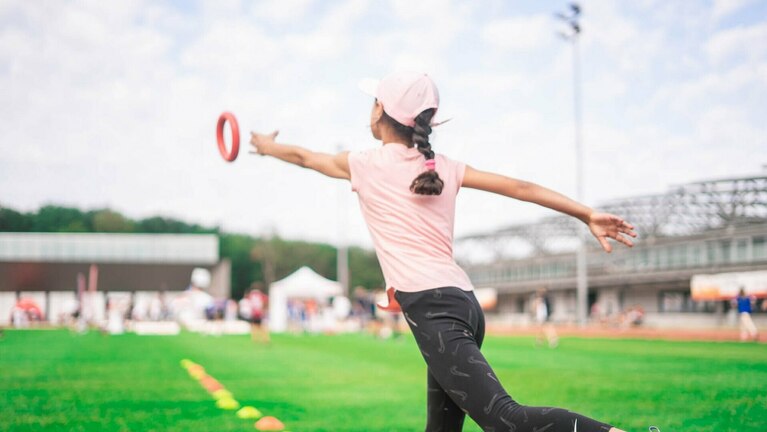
(357, 162)
(460, 171)
(456, 171)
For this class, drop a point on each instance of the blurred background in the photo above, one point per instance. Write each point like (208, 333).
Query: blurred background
(110, 114)
(118, 213)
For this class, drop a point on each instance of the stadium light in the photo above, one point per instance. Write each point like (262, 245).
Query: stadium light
(573, 35)
(342, 249)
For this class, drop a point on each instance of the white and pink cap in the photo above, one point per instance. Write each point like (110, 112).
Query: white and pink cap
(404, 95)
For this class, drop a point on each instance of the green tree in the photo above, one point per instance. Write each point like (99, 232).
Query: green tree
(13, 221)
(52, 218)
(364, 269)
(237, 247)
(253, 259)
(110, 221)
(157, 224)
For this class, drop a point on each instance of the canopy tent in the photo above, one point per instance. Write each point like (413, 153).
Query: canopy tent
(304, 283)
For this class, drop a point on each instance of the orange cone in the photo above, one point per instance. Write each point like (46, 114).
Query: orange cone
(269, 423)
(210, 384)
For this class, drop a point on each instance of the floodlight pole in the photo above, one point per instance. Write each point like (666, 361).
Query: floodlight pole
(342, 257)
(581, 267)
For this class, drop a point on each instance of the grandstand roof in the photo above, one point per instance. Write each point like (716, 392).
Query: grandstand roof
(201, 249)
(683, 210)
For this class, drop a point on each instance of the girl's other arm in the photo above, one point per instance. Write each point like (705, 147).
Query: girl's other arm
(602, 225)
(336, 166)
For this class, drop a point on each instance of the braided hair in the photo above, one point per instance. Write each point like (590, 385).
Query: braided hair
(428, 182)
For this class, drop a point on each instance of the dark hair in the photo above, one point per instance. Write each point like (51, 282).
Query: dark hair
(428, 182)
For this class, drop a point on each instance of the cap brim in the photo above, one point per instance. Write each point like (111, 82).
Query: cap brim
(437, 122)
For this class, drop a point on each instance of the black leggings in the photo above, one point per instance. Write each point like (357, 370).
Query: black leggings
(448, 325)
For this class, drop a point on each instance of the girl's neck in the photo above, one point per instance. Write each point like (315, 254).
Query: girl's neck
(398, 142)
(388, 136)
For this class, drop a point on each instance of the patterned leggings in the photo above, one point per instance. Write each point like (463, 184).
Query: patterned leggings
(448, 325)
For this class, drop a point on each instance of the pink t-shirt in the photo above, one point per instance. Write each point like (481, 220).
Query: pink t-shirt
(412, 234)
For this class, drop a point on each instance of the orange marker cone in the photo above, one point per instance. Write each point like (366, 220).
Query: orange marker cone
(269, 423)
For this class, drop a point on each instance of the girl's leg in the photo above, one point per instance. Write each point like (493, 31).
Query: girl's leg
(442, 413)
(449, 326)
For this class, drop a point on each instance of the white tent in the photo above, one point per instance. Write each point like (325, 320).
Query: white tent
(304, 283)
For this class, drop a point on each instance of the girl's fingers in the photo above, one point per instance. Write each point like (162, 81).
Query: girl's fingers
(624, 240)
(620, 238)
(605, 245)
(620, 222)
(616, 236)
(257, 139)
(627, 231)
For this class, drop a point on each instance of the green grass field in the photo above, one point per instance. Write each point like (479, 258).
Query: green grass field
(59, 381)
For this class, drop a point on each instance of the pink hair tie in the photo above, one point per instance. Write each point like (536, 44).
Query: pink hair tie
(430, 163)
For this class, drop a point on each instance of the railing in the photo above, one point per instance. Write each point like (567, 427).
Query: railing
(686, 210)
(717, 249)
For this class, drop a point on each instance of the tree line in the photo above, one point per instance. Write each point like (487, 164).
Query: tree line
(254, 259)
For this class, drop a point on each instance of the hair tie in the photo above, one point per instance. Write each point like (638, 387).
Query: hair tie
(430, 163)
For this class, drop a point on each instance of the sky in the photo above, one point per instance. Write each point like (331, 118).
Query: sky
(114, 104)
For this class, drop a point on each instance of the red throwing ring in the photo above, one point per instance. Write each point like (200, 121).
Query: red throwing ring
(232, 154)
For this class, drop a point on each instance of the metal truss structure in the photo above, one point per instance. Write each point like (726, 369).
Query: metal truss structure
(684, 210)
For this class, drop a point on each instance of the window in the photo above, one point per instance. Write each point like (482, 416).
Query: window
(711, 253)
(520, 304)
(661, 258)
(678, 256)
(725, 246)
(741, 250)
(696, 255)
(675, 301)
(759, 248)
(644, 259)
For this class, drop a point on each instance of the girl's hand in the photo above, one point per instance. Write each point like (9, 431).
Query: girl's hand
(604, 225)
(262, 143)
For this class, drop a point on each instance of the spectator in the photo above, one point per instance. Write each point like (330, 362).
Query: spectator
(258, 302)
(542, 311)
(745, 307)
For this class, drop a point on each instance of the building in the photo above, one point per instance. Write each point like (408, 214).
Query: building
(45, 266)
(707, 227)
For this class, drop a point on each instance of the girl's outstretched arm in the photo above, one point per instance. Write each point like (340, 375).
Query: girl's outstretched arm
(336, 166)
(602, 225)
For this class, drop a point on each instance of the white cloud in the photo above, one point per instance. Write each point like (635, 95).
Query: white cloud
(410, 10)
(115, 103)
(749, 43)
(624, 41)
(605, 87)
(724, 124)
(332, 37)
(232, 49)
(490, 83)
(724, 8)
(283, 11)
(520, 33)
(425, 43)
(689, 96)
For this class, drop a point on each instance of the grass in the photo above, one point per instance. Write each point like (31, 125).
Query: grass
(60, 381)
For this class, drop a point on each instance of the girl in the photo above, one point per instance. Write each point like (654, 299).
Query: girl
(407, 196)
